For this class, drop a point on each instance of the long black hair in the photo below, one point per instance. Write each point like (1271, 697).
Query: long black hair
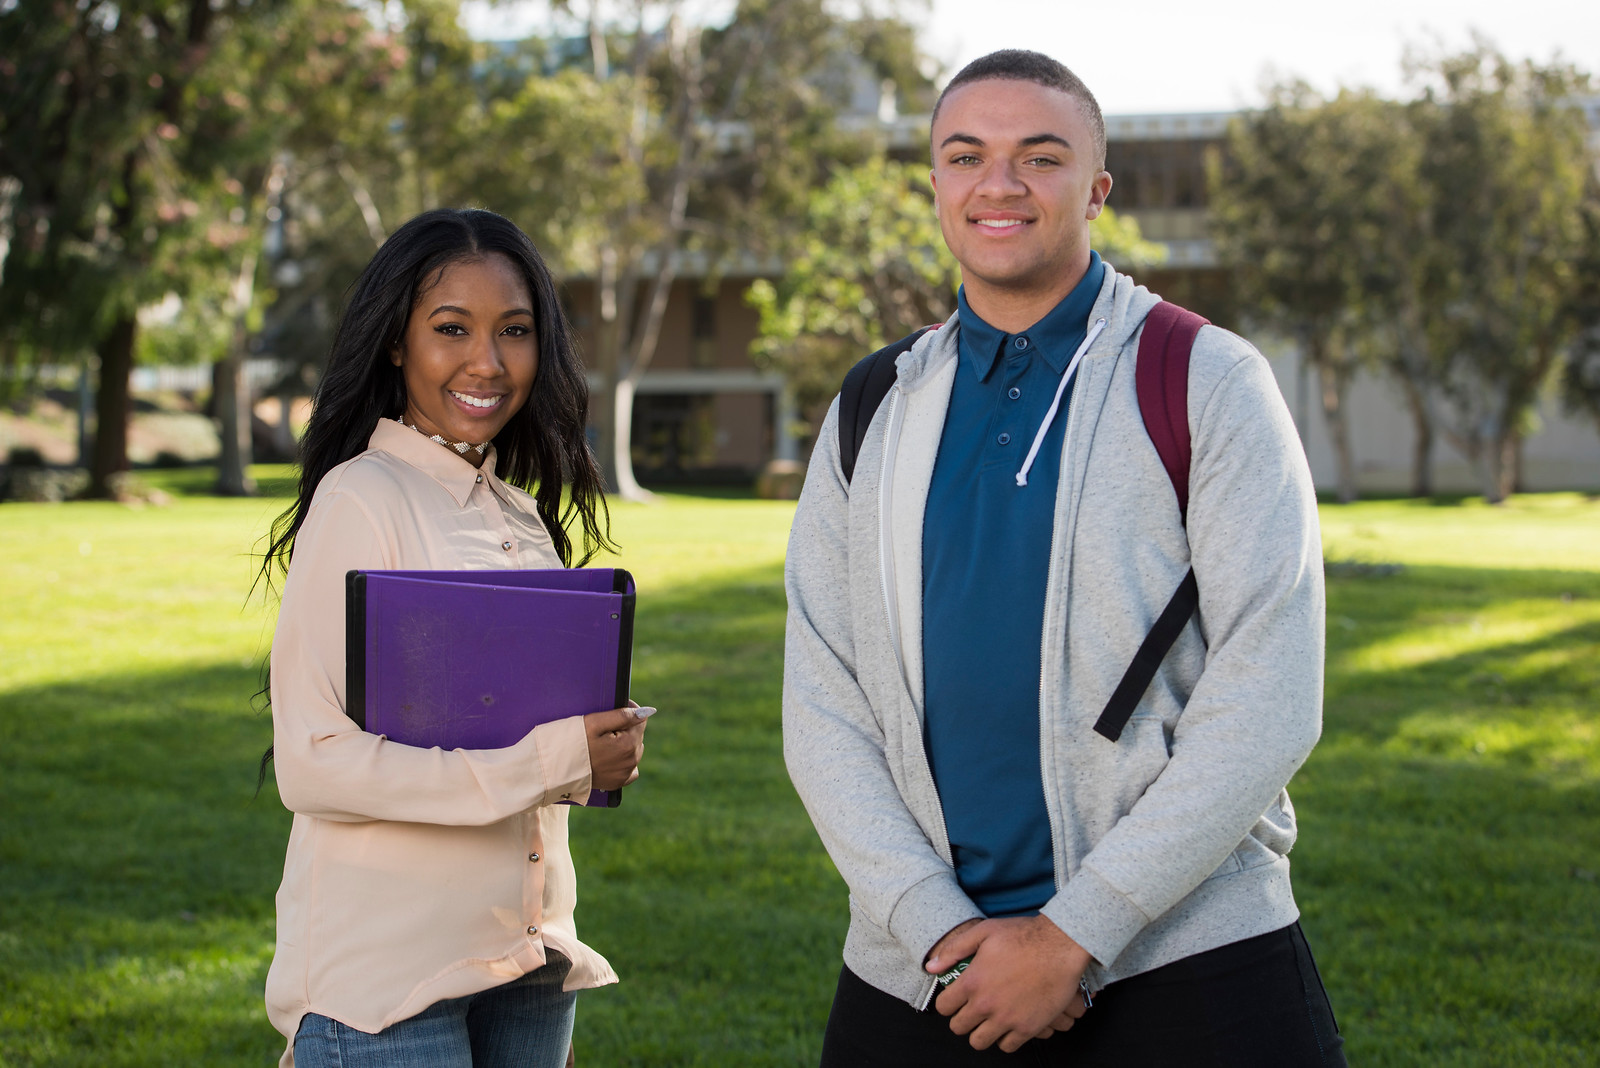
(541, 448)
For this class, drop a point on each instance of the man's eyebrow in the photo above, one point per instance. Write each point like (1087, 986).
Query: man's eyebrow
(1026, 142)
(962, 139)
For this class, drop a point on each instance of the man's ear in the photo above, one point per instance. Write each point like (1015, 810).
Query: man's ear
(1098, 191)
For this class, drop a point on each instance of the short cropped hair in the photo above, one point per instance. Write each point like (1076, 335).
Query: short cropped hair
(1021, 65)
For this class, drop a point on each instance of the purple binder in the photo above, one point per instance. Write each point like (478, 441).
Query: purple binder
(477, 659)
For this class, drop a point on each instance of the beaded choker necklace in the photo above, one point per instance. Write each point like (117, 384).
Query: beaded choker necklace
(460, 446)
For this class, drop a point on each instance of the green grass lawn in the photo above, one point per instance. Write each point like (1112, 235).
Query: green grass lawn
(1450, 818)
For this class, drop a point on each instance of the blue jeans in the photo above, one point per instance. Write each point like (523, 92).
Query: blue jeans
(526, 1023)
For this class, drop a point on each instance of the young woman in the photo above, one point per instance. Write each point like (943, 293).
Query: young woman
(426, 912)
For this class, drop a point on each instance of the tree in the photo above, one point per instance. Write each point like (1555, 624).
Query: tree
(868, 265)
(1304, 203)
(98, 113)
(1506, 156)
(675, 144)
(1580, 378)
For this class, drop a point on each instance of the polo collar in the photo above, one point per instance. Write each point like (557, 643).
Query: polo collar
(981, 343)
(438, 462)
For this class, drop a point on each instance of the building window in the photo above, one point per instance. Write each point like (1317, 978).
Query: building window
(703, 331)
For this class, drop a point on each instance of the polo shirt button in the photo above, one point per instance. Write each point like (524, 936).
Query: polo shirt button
(506, 545)
(532, 929)
(1021, 342)
(1013, 392)
(533, 856)
(1004, 439)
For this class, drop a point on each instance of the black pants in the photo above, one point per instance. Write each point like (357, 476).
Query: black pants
(1258, 1003)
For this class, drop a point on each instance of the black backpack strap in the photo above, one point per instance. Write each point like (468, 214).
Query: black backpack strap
(865, 386)
(1162, 377)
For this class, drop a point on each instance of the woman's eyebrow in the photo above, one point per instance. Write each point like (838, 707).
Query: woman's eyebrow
(508, 313)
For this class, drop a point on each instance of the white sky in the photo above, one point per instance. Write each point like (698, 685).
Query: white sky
(1194, 55)
(1170, 55)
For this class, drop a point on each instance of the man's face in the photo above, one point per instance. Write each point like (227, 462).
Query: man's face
(1017, 180)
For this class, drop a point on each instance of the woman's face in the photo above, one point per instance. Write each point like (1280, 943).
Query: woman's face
(469, 353)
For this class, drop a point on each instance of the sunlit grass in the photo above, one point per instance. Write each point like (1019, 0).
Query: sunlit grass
(1450, 817)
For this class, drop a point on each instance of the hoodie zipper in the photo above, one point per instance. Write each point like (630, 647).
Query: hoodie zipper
(891, 441)
(1052, 804)
(886, 575)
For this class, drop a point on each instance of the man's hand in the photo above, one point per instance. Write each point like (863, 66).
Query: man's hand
(1022, 982)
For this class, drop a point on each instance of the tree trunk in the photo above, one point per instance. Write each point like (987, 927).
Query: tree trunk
(627, 487)
(1489, 458)
(1333, 391)
(232, 400)
(85, 406)
(231, 394)
(110, 457)
(1507, 452)
(1422, 441)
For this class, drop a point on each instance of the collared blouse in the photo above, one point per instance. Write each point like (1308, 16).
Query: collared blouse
(412, 875)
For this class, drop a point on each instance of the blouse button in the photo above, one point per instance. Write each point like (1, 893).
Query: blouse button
(480, 480)
(532, 929)
(533, 856)
(506, 545)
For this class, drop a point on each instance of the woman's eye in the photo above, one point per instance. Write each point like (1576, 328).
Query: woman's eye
(516, 330)
(450, 329)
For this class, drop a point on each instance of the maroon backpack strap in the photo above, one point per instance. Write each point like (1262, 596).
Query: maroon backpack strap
(1162, 379)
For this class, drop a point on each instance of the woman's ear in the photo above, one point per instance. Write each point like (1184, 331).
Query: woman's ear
(394, 356)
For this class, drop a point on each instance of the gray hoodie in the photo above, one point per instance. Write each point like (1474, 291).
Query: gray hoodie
(1168, 842)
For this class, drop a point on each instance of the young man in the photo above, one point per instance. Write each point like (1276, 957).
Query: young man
(961, 608)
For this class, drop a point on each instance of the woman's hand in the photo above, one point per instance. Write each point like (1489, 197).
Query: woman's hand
(616, 742)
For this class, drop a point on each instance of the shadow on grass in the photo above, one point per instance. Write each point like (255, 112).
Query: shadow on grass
(272, 480)
(137, 900)
(1450, 893)
(1449, 814)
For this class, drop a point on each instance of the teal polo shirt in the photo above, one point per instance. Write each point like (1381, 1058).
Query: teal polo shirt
(985, 563)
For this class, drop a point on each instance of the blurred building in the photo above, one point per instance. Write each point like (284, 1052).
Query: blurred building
(705, 413)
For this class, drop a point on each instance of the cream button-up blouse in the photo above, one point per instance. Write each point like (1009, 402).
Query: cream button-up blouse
(413, 875)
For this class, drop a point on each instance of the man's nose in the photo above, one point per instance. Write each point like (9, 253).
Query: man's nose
(1000, 178)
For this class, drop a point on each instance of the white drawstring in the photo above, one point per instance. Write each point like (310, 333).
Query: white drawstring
(1049, 417)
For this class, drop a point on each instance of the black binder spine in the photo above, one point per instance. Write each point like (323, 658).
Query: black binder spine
(355, 647)
(622, 582)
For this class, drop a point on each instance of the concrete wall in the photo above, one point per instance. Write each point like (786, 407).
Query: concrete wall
(1563, 455)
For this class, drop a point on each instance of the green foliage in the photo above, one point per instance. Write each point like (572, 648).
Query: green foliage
(1445, 870)
(1304, 201)
(1449, 240)
(1511, 246)
(1119, 241)
(866, 265)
